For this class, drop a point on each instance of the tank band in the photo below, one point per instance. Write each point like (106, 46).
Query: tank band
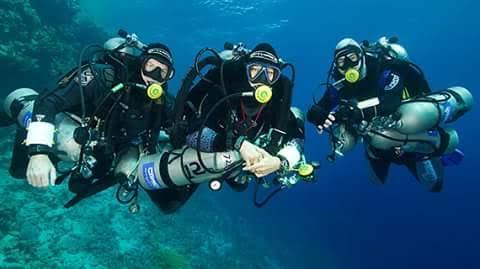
(460, 100)
(444, 142)
(167, 180)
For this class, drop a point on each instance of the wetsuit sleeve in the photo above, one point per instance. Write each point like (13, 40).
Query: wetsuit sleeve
(213, 136)
(201, 99)
(64, 98)
(318, 113)
(293, 149)
(201, 96)
(68, 98)
(295, 128)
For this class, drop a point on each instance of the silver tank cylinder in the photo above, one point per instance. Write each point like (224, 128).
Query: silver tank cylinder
(127, 162)
(341, 140)
(22, 95)
(425, 142)
(426, 112)
(65, 147)
(181, 167)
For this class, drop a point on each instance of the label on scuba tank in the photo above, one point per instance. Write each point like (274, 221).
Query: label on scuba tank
(447, 111)
(149, 175)
(27, 119)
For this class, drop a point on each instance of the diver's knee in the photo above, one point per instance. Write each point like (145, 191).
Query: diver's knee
(378, 168)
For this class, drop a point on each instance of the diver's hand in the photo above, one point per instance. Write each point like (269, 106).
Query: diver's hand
(328, 122)
(250, 153)
(40, 171)
(267, 165)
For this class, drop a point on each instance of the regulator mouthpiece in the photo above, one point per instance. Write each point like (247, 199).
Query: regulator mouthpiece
(352, 75)
(155, 91)
(263, 94)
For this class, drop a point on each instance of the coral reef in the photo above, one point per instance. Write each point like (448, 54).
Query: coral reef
(170, 259)
(37, 232)
(39, 40)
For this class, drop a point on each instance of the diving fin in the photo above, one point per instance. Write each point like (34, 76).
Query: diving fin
(92, 189)
(452, 159)
(430, 173)
(170, 200)
(379, 170)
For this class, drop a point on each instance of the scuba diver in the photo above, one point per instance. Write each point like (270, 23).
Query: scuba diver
(99, 118)
(376, 94)
(242, 105)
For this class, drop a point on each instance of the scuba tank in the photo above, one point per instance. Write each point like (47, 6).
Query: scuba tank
(434, 142)
(415, 125)
(413, 128)
(173, 168)
(19, 106)
(386, 49)
(341, 141)
(426, 112)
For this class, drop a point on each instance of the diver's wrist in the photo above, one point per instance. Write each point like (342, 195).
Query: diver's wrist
(38, 149)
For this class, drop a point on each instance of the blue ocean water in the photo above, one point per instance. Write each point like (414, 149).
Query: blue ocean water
(342, 220)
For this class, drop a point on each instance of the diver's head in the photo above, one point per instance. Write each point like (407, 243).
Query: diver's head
(263, 70)
(349, 60)
(263, 66)
(157, 64)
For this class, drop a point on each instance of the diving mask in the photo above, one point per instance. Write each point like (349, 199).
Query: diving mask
(157, 69)
(262, 73)
(348, 59)
(349, 62)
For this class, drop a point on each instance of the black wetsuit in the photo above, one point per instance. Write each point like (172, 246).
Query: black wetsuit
(392, 82)
(275, 114)
(128, 119)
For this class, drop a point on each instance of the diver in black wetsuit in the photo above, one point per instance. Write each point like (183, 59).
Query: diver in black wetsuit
(106, 117)
(379, 95)
(258, 122)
